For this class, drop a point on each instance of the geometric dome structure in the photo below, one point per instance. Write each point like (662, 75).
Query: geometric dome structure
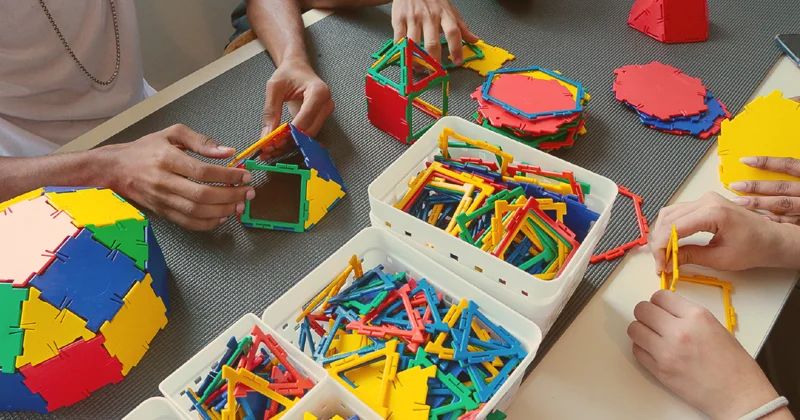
(671, 21)
(83, 292)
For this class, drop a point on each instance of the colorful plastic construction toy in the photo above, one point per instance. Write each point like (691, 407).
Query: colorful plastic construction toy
(395, 343)
(83, 292)
(309, 416)
(775, 122)
(254, 379)
(535, 106)
(671, 21)
(669, 101)
(296, 192)
(490, 58)
(727, 287)
(644, 229)
(529, 217)
(392, 101)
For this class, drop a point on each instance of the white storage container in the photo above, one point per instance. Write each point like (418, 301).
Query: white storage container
(156, 408)
(379, 246)
(329, 399)
(192, 373)
(538, 300)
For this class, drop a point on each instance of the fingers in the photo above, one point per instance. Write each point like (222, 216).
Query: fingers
(273, 104)
(189, 167)
(646, 359)
(453, 35)
(788, 205)
(196, 210)
(653, 317)
(672, 303)
(794, 220)
(414, 30)
(784, 165)
(663, 229)
(643, 336)
(208, 194)
(466, 33)
(316, 108)
(190, 223)
(187, 139)
(694, 254)
(433, 44)
(767, 187)
(399, 26)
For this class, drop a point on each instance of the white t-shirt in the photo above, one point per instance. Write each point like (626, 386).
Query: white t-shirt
(45, 99)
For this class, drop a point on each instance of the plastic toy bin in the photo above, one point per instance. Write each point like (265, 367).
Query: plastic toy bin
(536, 299)
(378, 246)
(191, 374)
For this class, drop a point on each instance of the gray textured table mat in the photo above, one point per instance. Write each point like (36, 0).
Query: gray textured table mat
(219, 276)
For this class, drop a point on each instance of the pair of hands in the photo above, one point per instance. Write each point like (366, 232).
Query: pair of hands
(682, 343)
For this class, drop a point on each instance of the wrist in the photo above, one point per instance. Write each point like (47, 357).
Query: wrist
(785, 247)
(292, 57)
(103, 171)
(741, 404)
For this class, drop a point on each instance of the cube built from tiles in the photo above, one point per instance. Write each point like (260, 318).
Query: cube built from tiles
(391, 104)
(296, 192)
(83, 292)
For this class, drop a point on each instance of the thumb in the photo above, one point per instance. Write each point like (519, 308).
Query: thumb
(695, 255)
(185, 138)
(273, 105)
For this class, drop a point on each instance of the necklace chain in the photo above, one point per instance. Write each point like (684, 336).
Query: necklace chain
(72, 54)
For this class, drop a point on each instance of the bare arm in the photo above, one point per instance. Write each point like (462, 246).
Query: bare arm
(20, 175)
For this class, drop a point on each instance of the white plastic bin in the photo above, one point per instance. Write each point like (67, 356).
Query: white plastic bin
(538, 300)
(328, 399)
(156, 408)
(379, 246)
(192, 373)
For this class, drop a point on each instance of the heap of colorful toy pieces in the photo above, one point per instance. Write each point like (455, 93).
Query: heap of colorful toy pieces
(395, 343)
(83, 292)
(530, 217)
(254, 379)
(668, 100)
(535, 106)
(775, 122)
(309, 416)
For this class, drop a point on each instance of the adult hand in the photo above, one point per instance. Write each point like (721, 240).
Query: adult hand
(309, 101)
(742, 239)
(780, 197)
(693, 355)
(156, 172)
(427, 19)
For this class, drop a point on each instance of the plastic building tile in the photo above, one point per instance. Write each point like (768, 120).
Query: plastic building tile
(387, 109)
(127, 236)
(255, 383)
(47, 329)
(671, 21)
(493, 59)
(80, 369)
(11, 335)
(644, 229)
(38, 231)
(88, 279)
(15, 396)
(24, 197)
(92, 206)
(322, 195)
(727, 289)
(660, 90)
(390, 359)
(694, 126)
(275, 135)
(316, 157)
(129, 334)
(408, 395)
(775, 122)
(532, 97)
(157, 267)
(66, 189)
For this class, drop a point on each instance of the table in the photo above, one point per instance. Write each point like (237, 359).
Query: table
(590, 372)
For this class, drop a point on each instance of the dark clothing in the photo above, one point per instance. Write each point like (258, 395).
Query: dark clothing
(239, 21)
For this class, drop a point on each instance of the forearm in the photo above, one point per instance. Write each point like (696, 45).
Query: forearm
(279, 26)
(340, 4)
(20, 175)
(787, 250)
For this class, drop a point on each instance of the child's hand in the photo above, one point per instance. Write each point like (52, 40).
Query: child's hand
(693, 355)
(427, 19)
(780, 197)
(742, 239)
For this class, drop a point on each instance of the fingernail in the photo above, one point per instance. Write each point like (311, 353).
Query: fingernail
(742, 201)
(223, 220)
(251, 194)
(247, 177)
(225, 149)
(767, 217)
(750, 161)
(738, 186)
(240, 208)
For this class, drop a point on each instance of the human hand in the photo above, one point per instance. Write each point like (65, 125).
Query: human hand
(155, 172)
(742, 239)
(427, 19)
(308, 97)
(780, 197)
(693, 355)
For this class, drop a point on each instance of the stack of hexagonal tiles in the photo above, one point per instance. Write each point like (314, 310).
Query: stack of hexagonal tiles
(83, 291)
